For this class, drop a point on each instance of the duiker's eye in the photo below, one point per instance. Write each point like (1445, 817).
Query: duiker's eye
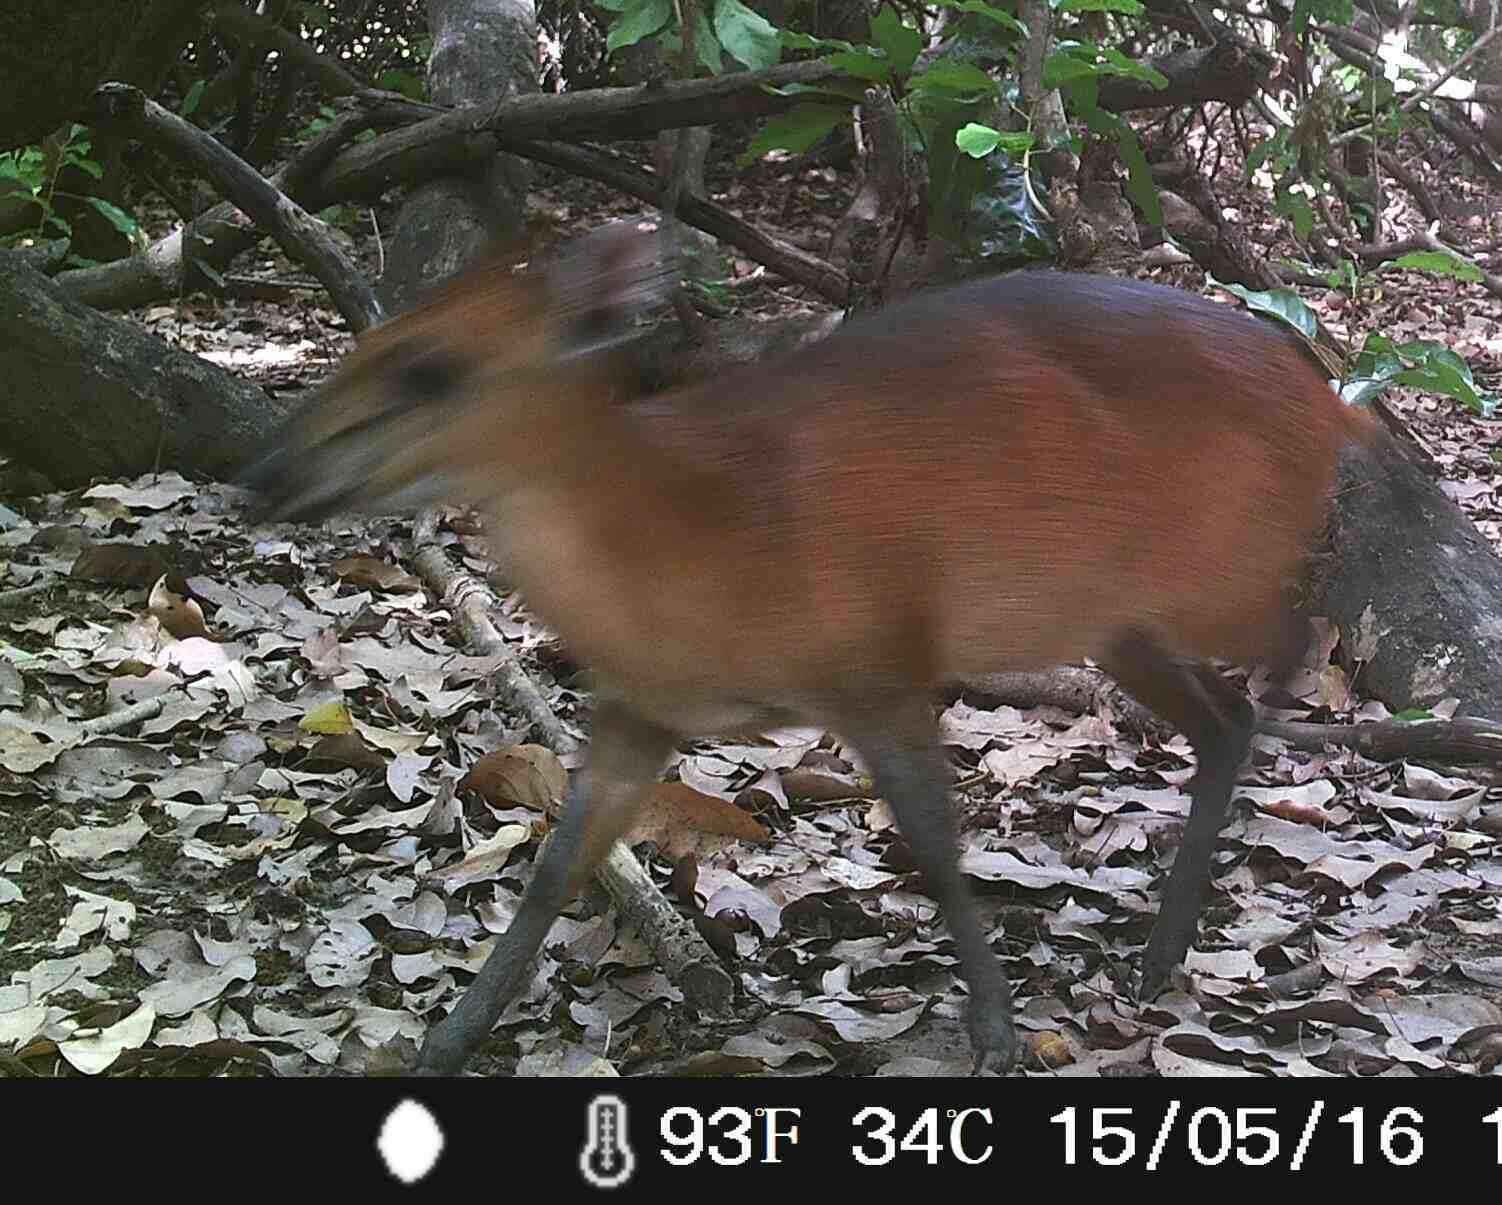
(431, 377)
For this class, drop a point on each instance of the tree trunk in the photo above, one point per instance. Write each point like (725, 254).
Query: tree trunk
(483, 51)
(86, 396)
(1415, 588)
(1482, 15)
(53, 56)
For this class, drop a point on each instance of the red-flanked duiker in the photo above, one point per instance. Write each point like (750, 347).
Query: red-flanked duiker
(1006, 474)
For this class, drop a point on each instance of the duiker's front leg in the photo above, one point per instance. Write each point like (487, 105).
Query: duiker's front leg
(626, 752)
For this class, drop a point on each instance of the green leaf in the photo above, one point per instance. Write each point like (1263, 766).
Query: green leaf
(1127, 8)
(978, 141)
(747, 36)
(1078, 60)
(115, 216)
(1338, 12)
(707, 48)
(1276, 152)
(862, 63)
(954, 78)
(1439, 261)
(1060, 68)
(791, 39)
(638, 19)
(89, 167)
(1296, 207)
(1439, 370)
(195, 94)
(1119, 64)
(1139, 186)
(900, 43)
(1283, 304)
(1421, 363)
(796, 130)
(990, 12)
(1360, 390)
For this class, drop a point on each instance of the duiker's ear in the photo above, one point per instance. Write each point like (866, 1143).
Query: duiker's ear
(603, 281)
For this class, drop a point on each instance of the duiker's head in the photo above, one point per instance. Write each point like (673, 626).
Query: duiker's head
(432, 405)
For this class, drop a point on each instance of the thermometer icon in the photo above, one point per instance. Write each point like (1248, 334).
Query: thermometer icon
(607, 1160)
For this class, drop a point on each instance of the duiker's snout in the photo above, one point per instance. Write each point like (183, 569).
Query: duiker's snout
(383, 463)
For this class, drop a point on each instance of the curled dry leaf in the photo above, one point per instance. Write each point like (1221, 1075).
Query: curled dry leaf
(823, 785)
(1049, 1049)
(483, 862)
(1298, 813)
(176, 612)
(530, 775)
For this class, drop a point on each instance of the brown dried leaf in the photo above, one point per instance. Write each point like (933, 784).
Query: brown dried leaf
(824, 786)
(376, 574)
(120, 564)
(530, 775)
(345, 749)
(684, 821)
(1298, 813)
(1049, 1050)
(178, 613)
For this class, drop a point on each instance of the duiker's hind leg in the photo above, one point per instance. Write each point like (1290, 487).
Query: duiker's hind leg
(1217, 720)
(626, 752)
(903, 751)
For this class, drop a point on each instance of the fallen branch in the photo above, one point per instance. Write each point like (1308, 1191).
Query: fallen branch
(1081, 690)
(182, 261)
(20, 594)
(472, 604)
(1072, 688)
(116, 721)
(128, 111)
(1464, 739)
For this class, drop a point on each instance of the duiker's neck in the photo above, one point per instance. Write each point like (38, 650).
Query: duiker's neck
(578, 442)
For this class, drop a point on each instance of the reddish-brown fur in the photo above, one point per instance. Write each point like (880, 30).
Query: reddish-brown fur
(1009, 474)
